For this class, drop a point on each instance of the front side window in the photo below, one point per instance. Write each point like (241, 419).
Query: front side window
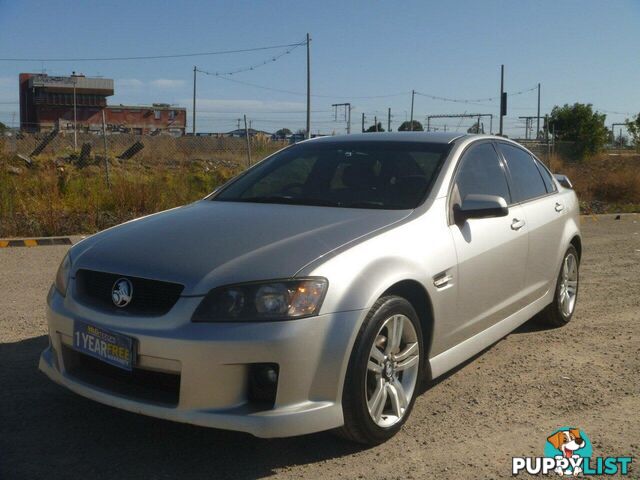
(481, 173)
(527, 181)
(368, 174)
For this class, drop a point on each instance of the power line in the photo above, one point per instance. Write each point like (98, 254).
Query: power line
(475, 100)
(291, 92)
(255, 65)
(613, 112)
(150, 57)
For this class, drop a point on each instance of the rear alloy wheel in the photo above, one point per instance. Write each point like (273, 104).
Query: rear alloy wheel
(559, 313)
(384, 372)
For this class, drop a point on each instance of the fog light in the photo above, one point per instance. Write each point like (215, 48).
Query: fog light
(263, 384)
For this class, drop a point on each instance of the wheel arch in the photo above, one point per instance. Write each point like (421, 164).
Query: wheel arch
(576, 241)
(415, 293)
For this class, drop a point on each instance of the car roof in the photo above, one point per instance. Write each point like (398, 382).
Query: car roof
(428, 137)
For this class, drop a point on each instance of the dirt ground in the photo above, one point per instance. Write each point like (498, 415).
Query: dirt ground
(469, 424)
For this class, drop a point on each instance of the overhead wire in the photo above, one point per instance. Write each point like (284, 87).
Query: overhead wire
(151, 57)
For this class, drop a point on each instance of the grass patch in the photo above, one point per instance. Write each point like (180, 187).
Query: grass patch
(54, 197)
(49, 199)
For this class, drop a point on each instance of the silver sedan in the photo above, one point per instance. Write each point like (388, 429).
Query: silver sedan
(317, 289)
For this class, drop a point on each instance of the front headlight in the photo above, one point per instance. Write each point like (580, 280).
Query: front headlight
(274, 300)
(62, 276)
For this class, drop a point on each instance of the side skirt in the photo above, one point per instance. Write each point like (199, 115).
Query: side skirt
(453, 357)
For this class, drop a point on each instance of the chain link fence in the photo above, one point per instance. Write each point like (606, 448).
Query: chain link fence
(128, 150)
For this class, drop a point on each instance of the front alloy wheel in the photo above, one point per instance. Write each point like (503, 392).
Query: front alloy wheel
(384, 372)
(392, 371)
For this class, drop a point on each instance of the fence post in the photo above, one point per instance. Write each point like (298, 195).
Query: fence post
(106, 158)
(246, 134)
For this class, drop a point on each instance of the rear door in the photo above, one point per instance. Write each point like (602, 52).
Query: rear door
(491, 252)
(534, 190)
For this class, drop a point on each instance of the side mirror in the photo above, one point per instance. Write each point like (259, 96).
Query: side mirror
(480, 206)
(563, 180)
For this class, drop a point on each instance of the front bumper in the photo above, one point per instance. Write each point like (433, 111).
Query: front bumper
(212, 363)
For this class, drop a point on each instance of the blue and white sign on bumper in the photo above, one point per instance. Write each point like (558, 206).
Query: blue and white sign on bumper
(110, 347)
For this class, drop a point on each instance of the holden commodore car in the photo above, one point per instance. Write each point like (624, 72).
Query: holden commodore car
(317, 289)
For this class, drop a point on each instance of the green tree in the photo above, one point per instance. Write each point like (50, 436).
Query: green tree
(578, 123)
(283, 132)
(372, 128)
(3, 128)
(633, 126)
(405, 127)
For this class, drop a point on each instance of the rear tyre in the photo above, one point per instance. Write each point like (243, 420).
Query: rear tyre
(560, 312)
(384, 372)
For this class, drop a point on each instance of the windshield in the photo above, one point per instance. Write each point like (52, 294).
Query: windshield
(376, 174)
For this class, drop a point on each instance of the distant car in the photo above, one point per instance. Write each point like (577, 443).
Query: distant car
(317, 289)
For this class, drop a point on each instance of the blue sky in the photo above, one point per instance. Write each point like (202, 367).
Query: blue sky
(580, 51)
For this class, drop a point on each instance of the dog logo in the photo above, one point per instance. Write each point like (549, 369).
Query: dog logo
(122, 292)
(568, 443)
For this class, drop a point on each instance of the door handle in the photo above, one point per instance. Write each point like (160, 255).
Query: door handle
(559, 207)
(517, 224)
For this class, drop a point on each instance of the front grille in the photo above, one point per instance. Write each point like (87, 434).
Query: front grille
(150, 297)
(139, 384)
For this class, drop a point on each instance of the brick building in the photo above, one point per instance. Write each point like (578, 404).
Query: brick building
(47, 103)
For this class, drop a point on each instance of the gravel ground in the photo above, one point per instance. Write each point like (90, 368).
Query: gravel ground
(502, 403)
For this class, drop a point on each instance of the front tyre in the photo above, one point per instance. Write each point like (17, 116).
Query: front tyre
(561, 310)
(384, 371)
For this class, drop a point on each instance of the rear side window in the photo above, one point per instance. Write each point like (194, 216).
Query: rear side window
(481, 173)
(527, 181)
(546, 178)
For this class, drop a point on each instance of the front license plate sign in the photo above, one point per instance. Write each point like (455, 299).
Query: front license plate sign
(110, 347)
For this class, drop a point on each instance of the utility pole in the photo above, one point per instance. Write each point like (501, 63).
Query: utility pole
(613, 134)
(75, 116)
(194, 102)
(413, 94)
(502, 99)
(308, 86)
(538, 122)
(546, 137)
(389, 119)
(362, 122)
(375, 123)
(239, 120)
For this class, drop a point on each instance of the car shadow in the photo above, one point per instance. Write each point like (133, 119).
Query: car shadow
(427, 385)
(534, 324)
(47, 431)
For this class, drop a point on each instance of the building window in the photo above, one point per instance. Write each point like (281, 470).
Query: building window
(172, 114)
(157, 114)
